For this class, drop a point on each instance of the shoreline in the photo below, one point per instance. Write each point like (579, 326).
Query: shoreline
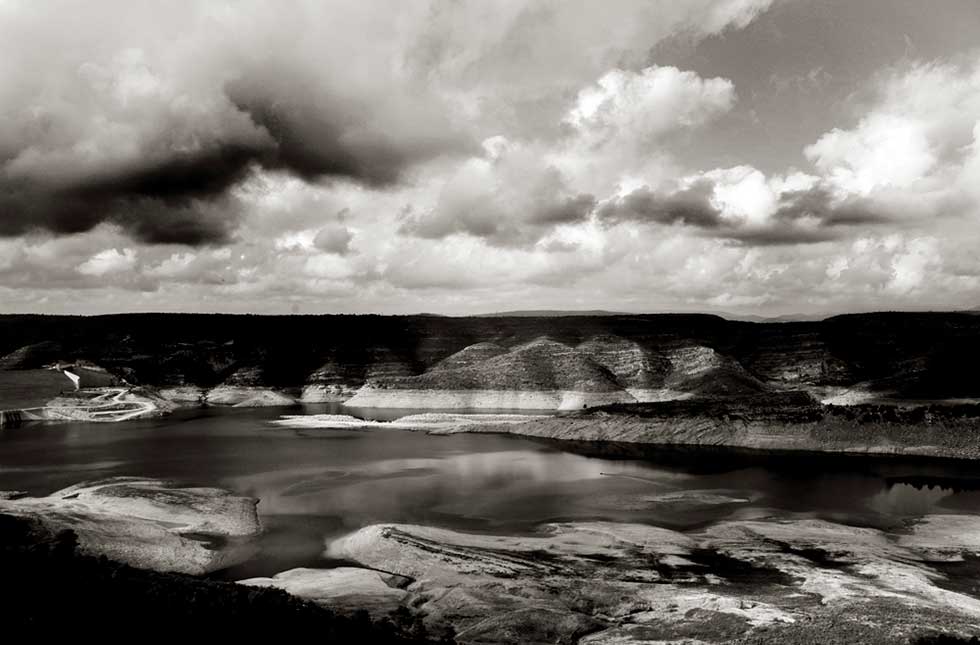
(789, 422)
(838, 431)
(878, 441)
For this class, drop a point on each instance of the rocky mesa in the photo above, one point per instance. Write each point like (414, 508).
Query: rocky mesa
(503, 362)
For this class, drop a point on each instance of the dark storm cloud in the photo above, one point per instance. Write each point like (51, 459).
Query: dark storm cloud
(781, 235)
(499, 226)
(178, 200)
(176, 197)
(147, 118)
(318, 135)
(182, 176)
(818, 202)
(120, 125)
(334, 238)
(565, 211)
(801, 217)
(691, 206)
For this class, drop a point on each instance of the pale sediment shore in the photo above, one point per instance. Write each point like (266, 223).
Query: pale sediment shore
(653, 395)
(433, 423)
(317, 393)
(101, 405)
(254, 395)
(115, 404)
(242, 396)
(949, 438)
(183, 394)
(375, 397)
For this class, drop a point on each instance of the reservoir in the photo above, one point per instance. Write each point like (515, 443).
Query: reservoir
(317, 484)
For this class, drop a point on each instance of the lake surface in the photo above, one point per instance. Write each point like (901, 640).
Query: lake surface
(317, 484)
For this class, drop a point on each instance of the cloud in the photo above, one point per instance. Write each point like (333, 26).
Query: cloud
(622, 127)
(742, 204)
(884, 151)
(914, 136)
(467, 263)
(319, 133)
(515, 63)
(819, 202)
(516, 191)
(910, 267)
(891, 266)
(506, 196)
(334, 238)
(639, 107)
(108, 261)
(148, 118)
(90, 136)
(690, 205)
(348, 157)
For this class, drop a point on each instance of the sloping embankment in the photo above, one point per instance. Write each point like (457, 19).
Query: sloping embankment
(377, 397)
(790, 421)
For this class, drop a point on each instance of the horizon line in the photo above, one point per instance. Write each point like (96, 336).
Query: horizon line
(518, 313)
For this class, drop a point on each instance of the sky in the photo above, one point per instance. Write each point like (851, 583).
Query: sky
(763, 157)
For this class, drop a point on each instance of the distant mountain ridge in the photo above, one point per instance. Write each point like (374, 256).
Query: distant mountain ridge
(550, 313)
(560, 313)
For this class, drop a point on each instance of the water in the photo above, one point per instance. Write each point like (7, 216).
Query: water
(318, 484)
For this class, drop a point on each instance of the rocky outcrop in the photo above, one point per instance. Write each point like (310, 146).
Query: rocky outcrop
(762, 580)
(795, 356)
(546, 374)
(384, 363)
(246, 388)
(148, 523)
(340, 376)
(542, 374)
(251, 376)
(247, 397)
(344, 589)
(31, 356)
(183, 395)
(320, 393)
(471, 356)
(702, 371)
(334, 381)
(640, 372)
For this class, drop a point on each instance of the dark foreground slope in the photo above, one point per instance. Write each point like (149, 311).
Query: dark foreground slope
(51, 590)
(921, 355)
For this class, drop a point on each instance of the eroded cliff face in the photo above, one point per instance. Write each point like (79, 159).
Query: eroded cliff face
(547, 374)
(541, 374)
(427, 361)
